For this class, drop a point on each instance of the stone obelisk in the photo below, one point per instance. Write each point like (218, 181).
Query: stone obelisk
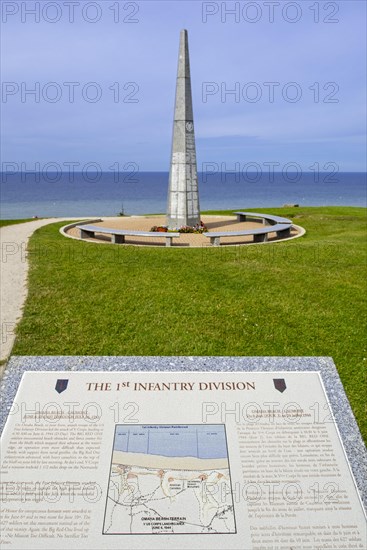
(183, 197)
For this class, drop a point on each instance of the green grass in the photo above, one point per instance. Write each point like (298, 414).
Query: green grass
(3, 223)
(301, 297)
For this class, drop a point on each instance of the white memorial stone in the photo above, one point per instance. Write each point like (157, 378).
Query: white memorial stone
(180, 460)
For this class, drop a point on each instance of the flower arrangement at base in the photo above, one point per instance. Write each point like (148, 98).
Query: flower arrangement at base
(198, 228)
(159, 228)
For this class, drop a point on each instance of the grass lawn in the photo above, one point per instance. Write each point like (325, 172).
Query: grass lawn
(301, 297)
(3, 223)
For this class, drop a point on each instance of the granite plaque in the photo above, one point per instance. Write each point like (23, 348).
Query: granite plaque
(138, 459)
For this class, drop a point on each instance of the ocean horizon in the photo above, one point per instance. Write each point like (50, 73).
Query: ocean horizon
(107, 194)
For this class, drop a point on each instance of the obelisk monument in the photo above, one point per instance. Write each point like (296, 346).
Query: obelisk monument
(183, 197)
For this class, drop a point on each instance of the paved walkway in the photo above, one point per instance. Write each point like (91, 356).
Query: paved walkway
(13, 277)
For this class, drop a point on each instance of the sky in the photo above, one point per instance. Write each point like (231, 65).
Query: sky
(104, 75)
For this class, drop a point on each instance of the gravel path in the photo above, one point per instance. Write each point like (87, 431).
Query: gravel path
(13, 273)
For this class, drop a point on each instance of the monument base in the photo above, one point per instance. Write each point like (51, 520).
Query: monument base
(177, 223)
(136, 228)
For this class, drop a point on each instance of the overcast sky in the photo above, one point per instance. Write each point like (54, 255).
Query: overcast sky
(137, 49)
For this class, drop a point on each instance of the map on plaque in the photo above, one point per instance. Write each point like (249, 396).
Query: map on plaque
(138, 460)
(171, 470)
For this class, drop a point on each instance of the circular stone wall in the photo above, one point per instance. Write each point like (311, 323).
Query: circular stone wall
(145, 223)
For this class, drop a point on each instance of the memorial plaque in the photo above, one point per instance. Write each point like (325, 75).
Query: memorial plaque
(137, 459)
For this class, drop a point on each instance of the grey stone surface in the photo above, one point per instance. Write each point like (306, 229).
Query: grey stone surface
(260, 235)
(343, 415)
(118, 235)
(183, 194)
(266, 218)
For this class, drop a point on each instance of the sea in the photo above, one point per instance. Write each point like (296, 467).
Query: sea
(39, 194)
